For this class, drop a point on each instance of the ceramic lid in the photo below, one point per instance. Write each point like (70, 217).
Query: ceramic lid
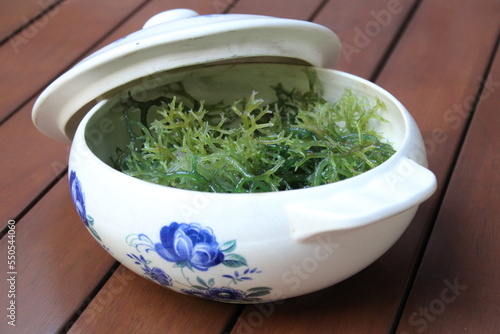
(176, 39)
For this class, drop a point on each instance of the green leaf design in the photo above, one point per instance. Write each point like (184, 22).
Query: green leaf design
(228, 246)
(201, 281)
(258, 291)
(94, 233)
(259, 288)
(234, 261)
(258, 294)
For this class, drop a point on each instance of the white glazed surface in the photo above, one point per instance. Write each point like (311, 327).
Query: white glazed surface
(274, 245)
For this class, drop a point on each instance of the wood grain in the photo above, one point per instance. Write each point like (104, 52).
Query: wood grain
(33, 164)
(367, 29)
(58, 265)
(14, 14)
(456, 289)
(291, 9)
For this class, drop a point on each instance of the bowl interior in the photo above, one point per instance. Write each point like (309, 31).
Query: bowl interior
(105, 130)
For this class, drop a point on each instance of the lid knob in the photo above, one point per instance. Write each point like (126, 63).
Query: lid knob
(170, 15)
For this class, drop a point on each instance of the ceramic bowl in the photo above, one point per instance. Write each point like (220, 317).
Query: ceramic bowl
(246, 248)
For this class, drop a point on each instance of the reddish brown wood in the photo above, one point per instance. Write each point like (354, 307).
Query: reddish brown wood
(366, 30)
(129, 303)
(32, 161)
(292, 9)
(363, 26)
(457, 289)
(58, 265)
(34, 60)
(15, 14)
(428, 80)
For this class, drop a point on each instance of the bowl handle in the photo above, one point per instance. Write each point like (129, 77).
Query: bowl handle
(401, 186)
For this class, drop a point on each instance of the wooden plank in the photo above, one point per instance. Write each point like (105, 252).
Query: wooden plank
(291, 9)
(366, 29)
(456, 289)
(363, 26)
(58, 265)
(14, 14)
(35, 61)
(32, 161)
(129, 303)
(436, 74)
(422, 73)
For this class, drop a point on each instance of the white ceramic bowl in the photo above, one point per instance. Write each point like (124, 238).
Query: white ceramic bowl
(247, 247)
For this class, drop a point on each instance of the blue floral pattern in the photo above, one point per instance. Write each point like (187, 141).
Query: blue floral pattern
(189, 245)
(75, 188)
(191, 249)
(155, 274)
(194, 248)
(78, 197)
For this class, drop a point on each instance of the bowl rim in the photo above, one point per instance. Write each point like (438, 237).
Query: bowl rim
(80, 141)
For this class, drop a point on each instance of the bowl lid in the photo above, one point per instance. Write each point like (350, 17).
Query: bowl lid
(176, 39)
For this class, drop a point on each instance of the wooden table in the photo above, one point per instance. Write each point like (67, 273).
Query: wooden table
(439, 58)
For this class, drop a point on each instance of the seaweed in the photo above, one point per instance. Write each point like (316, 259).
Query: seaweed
(300, 140)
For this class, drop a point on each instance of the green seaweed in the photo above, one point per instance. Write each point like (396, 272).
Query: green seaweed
(298, 141)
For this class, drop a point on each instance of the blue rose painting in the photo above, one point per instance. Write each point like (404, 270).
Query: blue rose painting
(193, 247)
(189, 245)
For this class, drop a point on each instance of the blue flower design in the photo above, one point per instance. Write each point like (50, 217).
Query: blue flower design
(77, 195)
(221, 294)
(193, 246)
(225, 293)
(189, 245)
(237, 277)
(155, 273)
(75, 188)
(158, 275)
